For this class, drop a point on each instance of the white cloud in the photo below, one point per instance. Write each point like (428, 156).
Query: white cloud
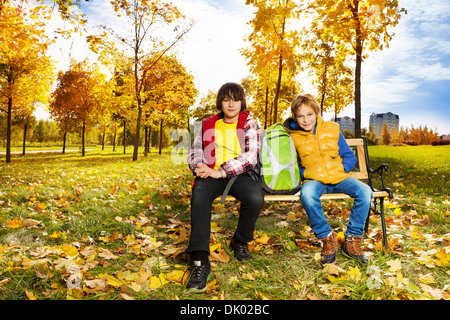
(211, 50)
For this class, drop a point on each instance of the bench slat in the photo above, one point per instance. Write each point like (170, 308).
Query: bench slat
(296, 197)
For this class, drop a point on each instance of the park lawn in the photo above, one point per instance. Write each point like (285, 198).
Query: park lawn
(104, 227)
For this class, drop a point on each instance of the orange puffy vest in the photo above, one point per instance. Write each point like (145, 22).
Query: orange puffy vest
(319, 153)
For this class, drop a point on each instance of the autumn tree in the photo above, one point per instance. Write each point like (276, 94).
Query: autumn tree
(206, 107)
(169, 91)
(79, 97)
(385, 134)
(25, 69)
(370, 135)
(362, 25)
(327, 65)
(146, 18)
(259, 97)
(272, 50)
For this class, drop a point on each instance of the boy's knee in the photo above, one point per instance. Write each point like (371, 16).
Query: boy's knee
(308, 194)
(366, 192)
(255, 198)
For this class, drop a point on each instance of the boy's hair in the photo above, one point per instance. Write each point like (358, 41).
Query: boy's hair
(306, 99)
(233, 91)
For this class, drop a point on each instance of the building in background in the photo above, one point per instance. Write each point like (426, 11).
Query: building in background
(377, 120)
(346, 123)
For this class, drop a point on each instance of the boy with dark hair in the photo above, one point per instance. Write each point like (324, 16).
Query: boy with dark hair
(225, 149)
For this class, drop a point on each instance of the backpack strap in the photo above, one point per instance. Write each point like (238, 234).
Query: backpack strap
(227, 189)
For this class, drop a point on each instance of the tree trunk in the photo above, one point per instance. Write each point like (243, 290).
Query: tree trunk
(25, 127)
(64, 142)
(8, 131)
(138, 127)
(160, 135)
(124, 136)
(114, 137)
(145, 140)
(324, 88)
(265, 110)
(359, 48)
(280, 74)
(277, 91)
(83, 152)
(149, 138)
(103, 138)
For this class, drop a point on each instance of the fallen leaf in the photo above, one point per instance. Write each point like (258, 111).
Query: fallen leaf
(354, 273)
(427, 278)
(106, 254)
(30, 295)
(15, 223)
(177, 276)
(221, 256)
(394, 265)
(332, 269)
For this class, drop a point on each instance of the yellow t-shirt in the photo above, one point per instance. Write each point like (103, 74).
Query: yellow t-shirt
(226, 142)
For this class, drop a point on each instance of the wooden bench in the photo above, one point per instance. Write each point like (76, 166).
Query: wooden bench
(361, 171)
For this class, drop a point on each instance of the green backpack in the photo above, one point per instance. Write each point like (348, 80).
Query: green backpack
(277, 168)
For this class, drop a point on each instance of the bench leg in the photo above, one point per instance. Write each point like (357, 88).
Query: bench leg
(383, 221)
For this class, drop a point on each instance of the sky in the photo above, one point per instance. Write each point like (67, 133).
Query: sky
(411, 78)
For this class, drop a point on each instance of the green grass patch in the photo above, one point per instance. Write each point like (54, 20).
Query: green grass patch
(105, 227)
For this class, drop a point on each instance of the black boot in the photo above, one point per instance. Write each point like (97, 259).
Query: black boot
(240, 249)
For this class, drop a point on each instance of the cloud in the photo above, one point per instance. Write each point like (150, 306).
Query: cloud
(211, 50)
(408, 73)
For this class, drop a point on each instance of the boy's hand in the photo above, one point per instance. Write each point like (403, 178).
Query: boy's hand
(203, 171)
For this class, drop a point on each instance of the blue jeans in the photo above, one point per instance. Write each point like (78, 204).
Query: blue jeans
(361, 193)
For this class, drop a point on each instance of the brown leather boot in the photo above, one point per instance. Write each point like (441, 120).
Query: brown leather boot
(329, 249)
(352, 248)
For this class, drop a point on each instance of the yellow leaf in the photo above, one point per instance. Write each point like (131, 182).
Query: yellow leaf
(390, 205)
(55, 235)
(177, 276)
(126, 275)
(398, 212)
(214, 247)
(157, 282)
(30, 295)
(248, 276)
(212, 286)
(15, 223)
(394, 265)
(263, 239)
(221, 256)
(40, 206)
(341, 235)
(214, 227)
(261, 296)
(111, 280)
(427, 278)
(69, 250)
(354, 273)
(443, 256)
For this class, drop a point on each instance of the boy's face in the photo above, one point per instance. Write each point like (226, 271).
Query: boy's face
(231, 109)
(306, 118)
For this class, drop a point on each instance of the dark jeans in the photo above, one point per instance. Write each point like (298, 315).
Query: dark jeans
(244, 189)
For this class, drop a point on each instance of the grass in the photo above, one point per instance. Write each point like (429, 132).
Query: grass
(104, 227)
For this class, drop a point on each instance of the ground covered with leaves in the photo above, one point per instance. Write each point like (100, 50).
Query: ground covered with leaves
(104, 227)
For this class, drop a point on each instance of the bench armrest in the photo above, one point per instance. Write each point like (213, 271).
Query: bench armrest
(379, 173)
